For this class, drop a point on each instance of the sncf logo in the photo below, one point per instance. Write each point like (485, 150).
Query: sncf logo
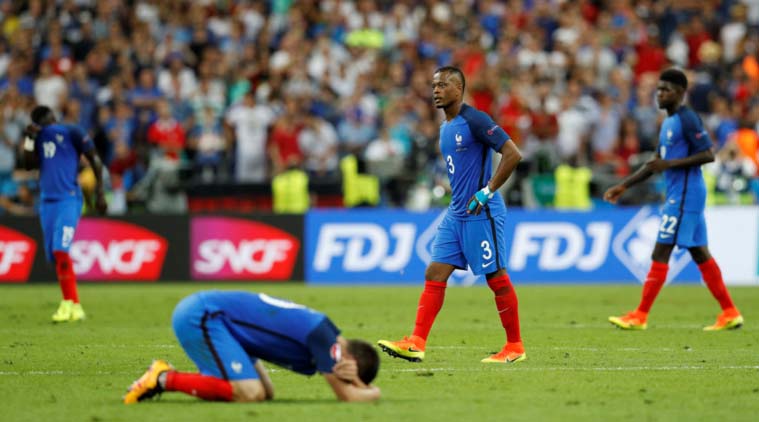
(16, 255)
(231, 248)
(115, 250)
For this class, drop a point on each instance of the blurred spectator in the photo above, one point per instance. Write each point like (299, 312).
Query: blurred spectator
(627, 146)
(50, 89)
(161, 188)
(283, 147)
(166, 132)
(318, 142)
(249, 123)
(362, 69)
(210, 147)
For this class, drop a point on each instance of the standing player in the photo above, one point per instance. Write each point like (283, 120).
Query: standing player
(57, 149)
(472, 231)
(684, 146)
(227, 334)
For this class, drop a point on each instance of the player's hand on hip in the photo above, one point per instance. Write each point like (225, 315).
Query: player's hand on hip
(478, 200)
(613, 193)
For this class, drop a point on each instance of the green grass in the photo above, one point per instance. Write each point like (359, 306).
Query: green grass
(579, 367)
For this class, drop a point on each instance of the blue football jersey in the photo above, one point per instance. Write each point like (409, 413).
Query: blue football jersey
(467, 143)
(278, 331)
(59, 147)
(682, 135)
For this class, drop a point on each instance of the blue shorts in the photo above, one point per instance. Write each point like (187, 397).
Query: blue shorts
(479, 243)
(59, 219)
(682, 228)
(205, 338)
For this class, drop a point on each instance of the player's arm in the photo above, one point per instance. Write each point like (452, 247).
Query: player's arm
(492, 135)
(697, 159)
(510, 157)
(644, 172)
(97, 167)
(263, 375)
(30, 155)
(352, 391)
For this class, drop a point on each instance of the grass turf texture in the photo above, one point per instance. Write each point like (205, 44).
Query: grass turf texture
(579, 366)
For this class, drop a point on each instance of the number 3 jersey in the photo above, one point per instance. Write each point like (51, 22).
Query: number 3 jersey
(58, 148)
(682, 134)
(467, 143)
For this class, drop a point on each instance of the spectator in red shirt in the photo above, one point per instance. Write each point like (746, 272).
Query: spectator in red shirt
(166, 132)
(284, 150)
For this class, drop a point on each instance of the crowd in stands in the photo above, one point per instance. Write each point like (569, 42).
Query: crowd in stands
(179, 92)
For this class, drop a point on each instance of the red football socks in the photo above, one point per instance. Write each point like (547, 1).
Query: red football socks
(713, 279)
(64, 268)
(201, 386)
(655, 280)
(430, 303)
(508, 306)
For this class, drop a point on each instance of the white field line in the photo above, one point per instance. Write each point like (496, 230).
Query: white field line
(489, 368)
(523, 367)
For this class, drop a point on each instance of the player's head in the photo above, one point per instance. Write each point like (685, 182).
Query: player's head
(448, 86)
(42, 115)
(671, 88)
(367, 359)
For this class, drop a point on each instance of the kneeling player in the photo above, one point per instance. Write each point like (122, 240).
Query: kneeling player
(227, 334)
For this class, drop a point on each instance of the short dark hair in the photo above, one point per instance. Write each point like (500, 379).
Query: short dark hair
(367, 359)
(676, 77)
(41, 114)
(456, 70)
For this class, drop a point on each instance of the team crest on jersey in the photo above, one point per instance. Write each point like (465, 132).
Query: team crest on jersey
(58, 138)
(669, 134)
(336, 352)
(459, 139)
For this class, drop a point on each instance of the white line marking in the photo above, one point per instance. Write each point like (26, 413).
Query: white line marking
(488, 368)
(522, 367)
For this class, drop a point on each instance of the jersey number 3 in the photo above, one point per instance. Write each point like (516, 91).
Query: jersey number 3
(451, 168)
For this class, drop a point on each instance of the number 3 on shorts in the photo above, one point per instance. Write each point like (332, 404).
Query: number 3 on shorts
(485, 245)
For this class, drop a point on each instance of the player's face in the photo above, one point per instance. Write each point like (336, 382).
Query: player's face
(445, 89)
(668, 94)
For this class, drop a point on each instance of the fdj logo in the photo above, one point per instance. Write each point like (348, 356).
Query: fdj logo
(365, 246)
(560, 246)
(635, 242)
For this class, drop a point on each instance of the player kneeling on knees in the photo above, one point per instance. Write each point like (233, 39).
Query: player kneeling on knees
(228, 334)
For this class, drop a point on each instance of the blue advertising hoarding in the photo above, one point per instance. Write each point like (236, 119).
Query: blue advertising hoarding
(544, 246)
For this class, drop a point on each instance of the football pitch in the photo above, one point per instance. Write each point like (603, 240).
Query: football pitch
(579, 367)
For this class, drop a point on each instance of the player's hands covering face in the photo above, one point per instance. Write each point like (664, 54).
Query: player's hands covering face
(347, 370)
